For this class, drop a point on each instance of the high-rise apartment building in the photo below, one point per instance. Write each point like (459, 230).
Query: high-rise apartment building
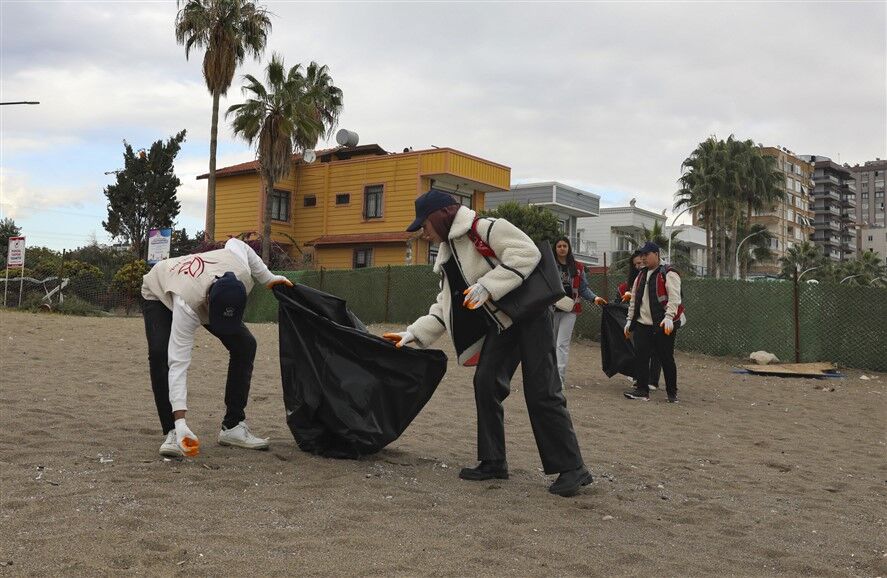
(869, 177)
(834, 208)
(791, 219)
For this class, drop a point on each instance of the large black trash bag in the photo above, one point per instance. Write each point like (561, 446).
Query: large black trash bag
(347, 392)
(617, 353)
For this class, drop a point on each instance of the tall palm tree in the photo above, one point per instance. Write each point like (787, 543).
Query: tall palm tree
(801, 257)
(284, 114)
(229, 30)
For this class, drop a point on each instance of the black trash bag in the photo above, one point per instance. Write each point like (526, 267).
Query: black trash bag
(617, 353)
(347, 392)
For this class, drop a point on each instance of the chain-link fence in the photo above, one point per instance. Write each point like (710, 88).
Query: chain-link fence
(837, 323)
(82, 294)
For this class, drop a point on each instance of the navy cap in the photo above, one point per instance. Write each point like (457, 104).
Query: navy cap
(433, 200)
(227, 301)
(649, 247)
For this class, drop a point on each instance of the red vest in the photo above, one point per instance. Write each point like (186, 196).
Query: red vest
(661, 295)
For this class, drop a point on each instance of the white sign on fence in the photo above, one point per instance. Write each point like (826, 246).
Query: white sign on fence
(16, 255)
(159, 243)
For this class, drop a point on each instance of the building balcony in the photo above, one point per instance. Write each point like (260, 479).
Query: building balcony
(827, 225)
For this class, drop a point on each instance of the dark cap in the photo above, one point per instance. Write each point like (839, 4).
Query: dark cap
(227, 300)
(433, 200)
(649, 247)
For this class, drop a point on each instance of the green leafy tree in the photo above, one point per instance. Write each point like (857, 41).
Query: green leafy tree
(288, 112)
(144, 196)
(229, 30)
(128, 278)
(8, 229)
(181, 244)
(538, 223)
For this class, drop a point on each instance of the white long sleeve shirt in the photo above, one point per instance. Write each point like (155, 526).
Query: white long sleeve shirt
(185, 322)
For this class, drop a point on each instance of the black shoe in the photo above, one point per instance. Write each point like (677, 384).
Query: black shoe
(568, 483)
(673, 399)
(486, 470)
(638, 393)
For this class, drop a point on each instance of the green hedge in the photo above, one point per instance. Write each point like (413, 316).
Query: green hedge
(838, 323)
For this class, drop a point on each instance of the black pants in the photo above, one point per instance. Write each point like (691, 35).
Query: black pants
(652, 341)
(655, 371)
(241, 348)
(529, 343)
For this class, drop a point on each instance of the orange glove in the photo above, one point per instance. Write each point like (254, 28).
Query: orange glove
(278, 280)
(667, 325)
(626, 297)
(627, 330)
(399, 339)
(475, 296)
(600, 301)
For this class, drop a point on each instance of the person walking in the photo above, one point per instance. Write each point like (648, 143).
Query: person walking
(178, 296)
(637, 263)
(655, 312)
(570, 306)
(482, 334)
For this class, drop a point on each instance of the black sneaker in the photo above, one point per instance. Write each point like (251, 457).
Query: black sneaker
(673, 399)
(638, 393)
(486, 470)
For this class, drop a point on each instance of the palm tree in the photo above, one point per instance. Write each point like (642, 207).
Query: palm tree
(801, 257)
(702, 183)
(229, 30)
(286, 113)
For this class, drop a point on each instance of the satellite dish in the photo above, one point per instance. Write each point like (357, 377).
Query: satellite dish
(309, 156)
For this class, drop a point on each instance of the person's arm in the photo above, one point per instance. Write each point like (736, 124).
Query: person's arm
(429, 328)
(673, 287)
(257, 267)
(517, 255)
(584, 290)
(181, 341)
(631, 303)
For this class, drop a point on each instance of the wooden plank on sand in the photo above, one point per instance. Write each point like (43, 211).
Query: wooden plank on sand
(801, 369)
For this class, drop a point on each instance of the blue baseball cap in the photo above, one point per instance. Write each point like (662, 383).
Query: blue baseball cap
(649, 247)
(227, 301)
(433, 200)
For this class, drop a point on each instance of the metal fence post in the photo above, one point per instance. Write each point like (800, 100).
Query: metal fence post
(321, 278)
(797, 320)
(606, 281)
(387, 291)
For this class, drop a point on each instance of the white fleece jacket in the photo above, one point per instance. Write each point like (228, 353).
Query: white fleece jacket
(516, 257)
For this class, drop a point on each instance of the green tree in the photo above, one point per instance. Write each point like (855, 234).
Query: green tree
(289, 112)
(229, 30)
(181, 244)
(538, 223)
(8, 229)
(144, 196)
(801, 257)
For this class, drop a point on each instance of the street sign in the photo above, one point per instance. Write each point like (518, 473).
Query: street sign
(15, 257)
(159, 243)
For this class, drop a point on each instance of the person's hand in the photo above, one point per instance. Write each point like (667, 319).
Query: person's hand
(626, 297)
(600, 301)
(278, 280)
(667, 325)
(475, 296)
(187, 440)
(400, 339)
(627, 330)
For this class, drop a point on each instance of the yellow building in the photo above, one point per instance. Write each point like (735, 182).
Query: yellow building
(351, 206)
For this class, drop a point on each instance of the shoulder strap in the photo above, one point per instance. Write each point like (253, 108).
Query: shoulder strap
(479, 243)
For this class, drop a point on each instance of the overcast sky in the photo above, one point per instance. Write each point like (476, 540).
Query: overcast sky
(609, 97)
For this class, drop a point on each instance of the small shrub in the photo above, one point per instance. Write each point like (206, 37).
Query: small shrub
(73, 305)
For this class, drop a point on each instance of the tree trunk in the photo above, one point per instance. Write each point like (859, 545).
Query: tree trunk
(210, 232)
(266, 219)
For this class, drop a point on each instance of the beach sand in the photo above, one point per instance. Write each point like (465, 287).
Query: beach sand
(748, 476)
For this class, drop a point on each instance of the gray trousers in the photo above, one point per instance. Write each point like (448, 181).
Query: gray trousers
(564, 321)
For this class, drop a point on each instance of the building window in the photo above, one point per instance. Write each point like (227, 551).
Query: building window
(363, 258)
(280, 205)
(343, 198)
(432, 253)
(372, 202)
(310, 201)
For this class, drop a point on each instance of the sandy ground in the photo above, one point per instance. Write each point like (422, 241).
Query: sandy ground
(748, 476)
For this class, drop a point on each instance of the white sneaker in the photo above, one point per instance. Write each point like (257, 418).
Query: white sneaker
(241, 437)
(170, 447)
